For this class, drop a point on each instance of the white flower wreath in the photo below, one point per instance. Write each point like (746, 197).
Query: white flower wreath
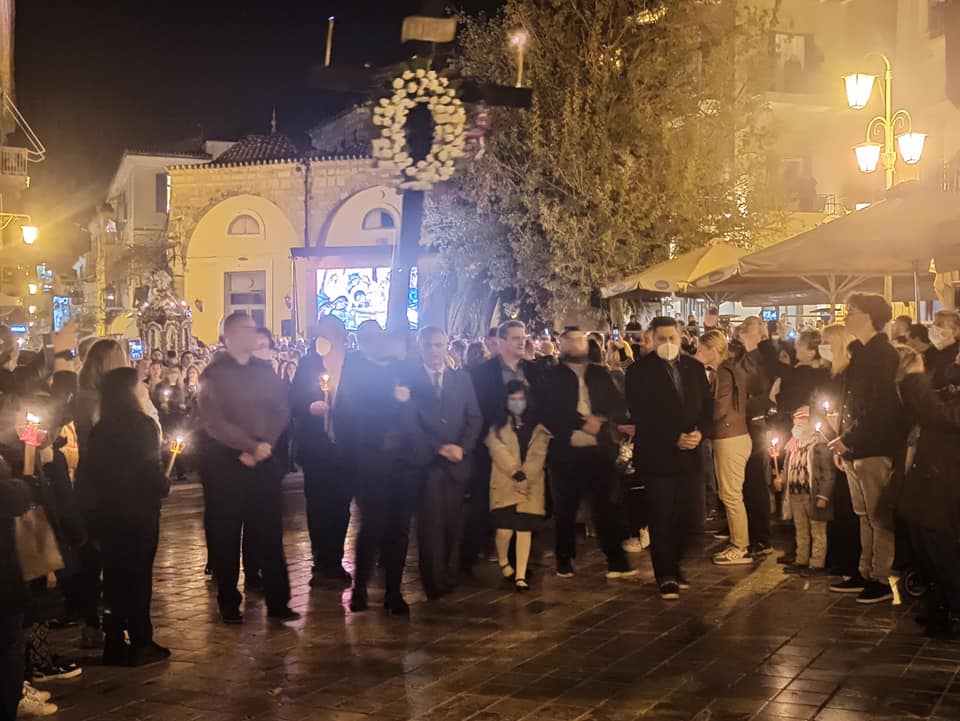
(391, 150)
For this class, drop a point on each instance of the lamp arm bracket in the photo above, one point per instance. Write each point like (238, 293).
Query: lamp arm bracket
(902, 120)
(877, 126)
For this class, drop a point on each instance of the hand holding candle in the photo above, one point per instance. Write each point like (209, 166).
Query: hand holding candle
(177, 446)
(166, 399)
(775, 453)
(32, 436)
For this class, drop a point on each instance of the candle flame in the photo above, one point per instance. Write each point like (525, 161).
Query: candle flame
(826, 406)
(31, 418)
(180, 440)
(818, 427)
(774, 441)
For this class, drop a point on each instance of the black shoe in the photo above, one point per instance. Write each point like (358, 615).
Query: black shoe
(620, 569)
(283, 614)
(875, 592)
(358, 600)
(231, 616)
(795, 568)
(759, 548)
(670, 591)
(330, 576)
(151, 653)
(565, 569)
(116, 653)
(786, 559)
(396, 606)
(58, 668)
(521, 585)
(682, 582)
(854, 584)
(253, 582)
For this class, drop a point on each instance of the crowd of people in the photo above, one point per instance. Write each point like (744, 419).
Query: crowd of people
(847, 430)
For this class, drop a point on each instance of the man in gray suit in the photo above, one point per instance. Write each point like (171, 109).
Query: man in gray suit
(452, 420)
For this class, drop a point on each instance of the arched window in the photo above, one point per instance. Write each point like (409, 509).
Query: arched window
(378, 219)
(244, 225)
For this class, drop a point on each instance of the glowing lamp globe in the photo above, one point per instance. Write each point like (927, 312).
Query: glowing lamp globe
(29, 234)
(519, 38)
(911, 146)
(859, 88)
(32, 288)
(868, 156)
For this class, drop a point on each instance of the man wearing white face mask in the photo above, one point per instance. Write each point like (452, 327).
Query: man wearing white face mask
(669, 400)
(945, 339)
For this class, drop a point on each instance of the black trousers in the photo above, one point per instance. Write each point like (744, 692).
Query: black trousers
(386, 500)
(670, 505)
(756, 497)
(843, 532)
(440, 528)
(241, 500)
(328, 490)
(938, 555)
(477, 529)
(11, 665)
(128, 547)
(579, 472)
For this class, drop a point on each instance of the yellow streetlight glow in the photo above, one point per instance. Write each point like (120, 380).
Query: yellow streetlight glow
(868, 156)
(911, 147)
(859, 88)
(32, 288)
(29, 233)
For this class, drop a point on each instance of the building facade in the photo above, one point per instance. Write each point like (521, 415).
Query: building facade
(282, 236)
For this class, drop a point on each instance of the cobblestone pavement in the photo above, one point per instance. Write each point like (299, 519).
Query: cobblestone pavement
(744, 643)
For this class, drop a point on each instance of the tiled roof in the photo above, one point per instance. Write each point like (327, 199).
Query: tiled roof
(259, 149)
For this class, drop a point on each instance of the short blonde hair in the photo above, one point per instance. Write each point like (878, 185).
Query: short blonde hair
(839, 338)
(716, 341)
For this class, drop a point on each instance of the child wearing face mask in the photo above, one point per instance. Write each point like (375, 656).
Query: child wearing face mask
(806, 476)
(518, 448)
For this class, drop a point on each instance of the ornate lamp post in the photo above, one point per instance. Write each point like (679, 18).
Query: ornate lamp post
(859, 87)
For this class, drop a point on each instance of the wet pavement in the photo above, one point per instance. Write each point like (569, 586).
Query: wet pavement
(744, 643)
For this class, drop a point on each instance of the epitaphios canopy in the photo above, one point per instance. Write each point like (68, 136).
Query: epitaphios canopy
(674, 276)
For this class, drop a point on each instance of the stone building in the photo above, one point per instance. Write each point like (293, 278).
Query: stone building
(281, 235)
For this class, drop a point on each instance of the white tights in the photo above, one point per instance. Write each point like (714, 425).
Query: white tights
(524, 539)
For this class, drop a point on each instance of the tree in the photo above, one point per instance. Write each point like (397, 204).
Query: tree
(647, 136)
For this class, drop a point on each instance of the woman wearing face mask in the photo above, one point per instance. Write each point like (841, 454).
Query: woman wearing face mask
(518, 449)
(945, 340)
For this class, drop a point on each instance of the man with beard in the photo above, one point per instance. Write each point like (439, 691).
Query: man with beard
(243, 410)
(581, 407)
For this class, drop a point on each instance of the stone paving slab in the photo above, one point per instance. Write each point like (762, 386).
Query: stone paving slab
(744, 644)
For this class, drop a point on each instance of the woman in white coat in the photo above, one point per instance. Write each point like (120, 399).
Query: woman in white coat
(518, 448)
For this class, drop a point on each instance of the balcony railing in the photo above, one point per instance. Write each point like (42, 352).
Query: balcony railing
(13, 161)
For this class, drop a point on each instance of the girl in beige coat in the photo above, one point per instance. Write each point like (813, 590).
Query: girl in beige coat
(518, 449)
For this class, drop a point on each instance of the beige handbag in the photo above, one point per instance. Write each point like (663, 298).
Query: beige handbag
(37, 547)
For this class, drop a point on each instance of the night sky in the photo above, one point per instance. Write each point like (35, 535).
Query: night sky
(97, 76)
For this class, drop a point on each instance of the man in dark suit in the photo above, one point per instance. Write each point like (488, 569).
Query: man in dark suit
(670, 404)
(452, 421)
(327, 474)
(581, 407)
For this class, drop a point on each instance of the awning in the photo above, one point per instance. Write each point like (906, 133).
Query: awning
(673, 276)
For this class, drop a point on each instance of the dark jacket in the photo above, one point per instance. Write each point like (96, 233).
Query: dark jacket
(938, 363)
(871, 421)
(661, 415)
(492, 391)
(930, 496)
(242, 406)
(453, 418)
(800, 386)
(125, 468)
(823, 478)
(15, 499)
(561, 394)
(310, 430)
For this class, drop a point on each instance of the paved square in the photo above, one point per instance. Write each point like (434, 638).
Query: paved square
(744, 643)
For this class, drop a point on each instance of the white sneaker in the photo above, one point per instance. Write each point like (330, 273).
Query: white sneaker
(645, 537)
(32, 706)
(36, 693)
(632, 545)
(733, 556)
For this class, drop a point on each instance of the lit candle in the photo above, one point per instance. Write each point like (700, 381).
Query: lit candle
(166, 399)
(326, 58)
(775, 452)
(818, 427)
(826, 406)
(176, 448)
(32, 437)
(519, 41)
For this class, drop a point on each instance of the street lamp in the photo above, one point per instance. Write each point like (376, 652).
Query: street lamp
(859, 87)
(29, 234)
(32, 288)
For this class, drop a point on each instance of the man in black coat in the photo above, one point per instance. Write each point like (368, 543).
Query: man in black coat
(670, 404)
(490, 385)
(944, 337)
(452, 422)
(15, 499)
(871, 441)
(326, 472)
(581, 407)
